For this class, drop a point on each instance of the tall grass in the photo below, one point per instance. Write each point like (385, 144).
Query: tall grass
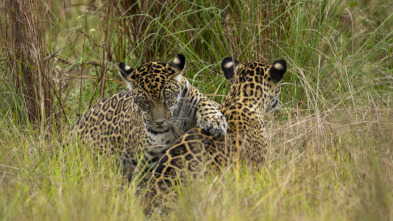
(331, 141)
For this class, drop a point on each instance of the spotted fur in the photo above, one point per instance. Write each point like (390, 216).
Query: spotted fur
(160, 107)
(255, 89)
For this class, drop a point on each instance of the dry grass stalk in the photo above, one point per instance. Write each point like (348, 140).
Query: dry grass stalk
(24, 49)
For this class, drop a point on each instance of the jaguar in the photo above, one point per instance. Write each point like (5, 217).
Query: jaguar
(160, 106)
(254, 91)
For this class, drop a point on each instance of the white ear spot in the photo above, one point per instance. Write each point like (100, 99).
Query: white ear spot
(278, 66)
(127, 68)
(228, 65)
(176, 61)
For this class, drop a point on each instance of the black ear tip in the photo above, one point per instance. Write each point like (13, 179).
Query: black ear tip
(181, 57)
(280, 64)
(124, 69)
(228, 65)
(122, 65)
(179, 62)
(278, 69)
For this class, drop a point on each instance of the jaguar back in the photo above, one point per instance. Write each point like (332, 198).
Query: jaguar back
(254, 87)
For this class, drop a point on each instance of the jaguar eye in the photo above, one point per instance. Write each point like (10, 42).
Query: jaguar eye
(143, 102)
(167, 94)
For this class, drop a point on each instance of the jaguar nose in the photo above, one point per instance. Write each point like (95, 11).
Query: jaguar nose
(160, 121)
(158, 113)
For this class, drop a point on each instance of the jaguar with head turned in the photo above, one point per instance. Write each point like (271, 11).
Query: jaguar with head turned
(160, 106)
(254, 90)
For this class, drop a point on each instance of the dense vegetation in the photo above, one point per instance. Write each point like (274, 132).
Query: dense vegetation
(331, 142)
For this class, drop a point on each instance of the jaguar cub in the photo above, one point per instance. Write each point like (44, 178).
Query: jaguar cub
(160, 106)
(255, 89)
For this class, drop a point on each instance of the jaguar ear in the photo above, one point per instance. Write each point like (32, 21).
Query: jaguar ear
(178, 64)
(278, 70)
(228, 65)
(125, 71)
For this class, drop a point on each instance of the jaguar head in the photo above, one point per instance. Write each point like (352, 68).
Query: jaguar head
(156, 87)
(255, 83)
